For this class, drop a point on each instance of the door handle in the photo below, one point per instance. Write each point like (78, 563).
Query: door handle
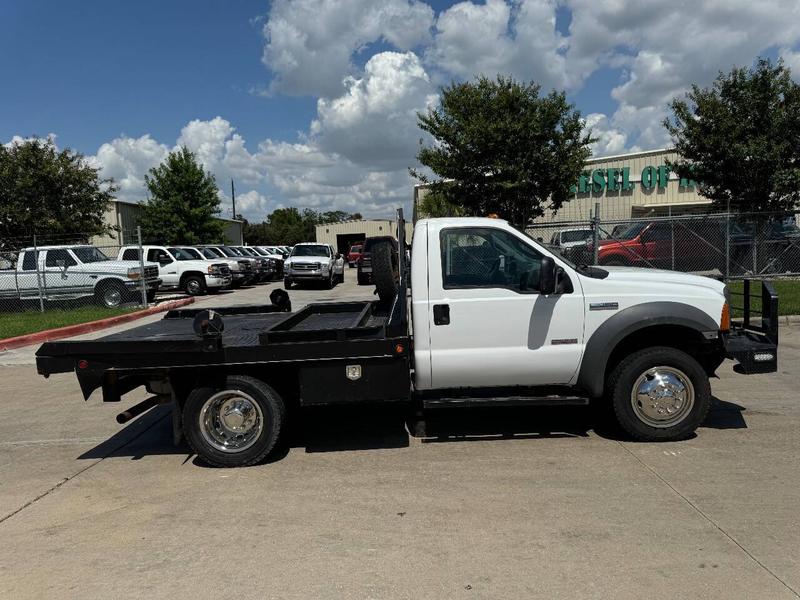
(441, 314)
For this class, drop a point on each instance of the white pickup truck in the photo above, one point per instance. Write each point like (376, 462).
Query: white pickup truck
(496, 319)
(310, 261)
(70, 272)
(182, 270)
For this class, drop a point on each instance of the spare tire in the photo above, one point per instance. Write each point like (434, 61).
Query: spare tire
(384, 270)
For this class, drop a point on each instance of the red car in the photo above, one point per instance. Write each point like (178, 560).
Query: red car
(683, 245)
(354, 254)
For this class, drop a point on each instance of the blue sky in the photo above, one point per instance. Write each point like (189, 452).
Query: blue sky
(312, 102)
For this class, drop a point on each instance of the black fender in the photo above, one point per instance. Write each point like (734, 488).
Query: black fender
(601, 344)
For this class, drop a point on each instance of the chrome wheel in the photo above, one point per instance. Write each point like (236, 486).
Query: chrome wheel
(231, 421)
(112, 297)
(662, 396)
(193, 287)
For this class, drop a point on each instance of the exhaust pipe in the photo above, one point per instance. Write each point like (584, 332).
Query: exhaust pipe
(137, 409)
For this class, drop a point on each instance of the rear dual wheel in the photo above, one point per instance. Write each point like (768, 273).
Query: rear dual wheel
(236, 424)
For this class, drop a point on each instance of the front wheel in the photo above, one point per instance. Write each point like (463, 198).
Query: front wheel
(659, 394)
(110, 294)
(236, 424)
(194, 285)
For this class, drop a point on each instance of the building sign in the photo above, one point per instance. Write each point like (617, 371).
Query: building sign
(618, 179)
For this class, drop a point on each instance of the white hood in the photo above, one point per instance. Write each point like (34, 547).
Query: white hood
(661, 277)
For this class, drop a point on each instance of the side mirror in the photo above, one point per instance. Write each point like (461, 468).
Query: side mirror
(62, 264)
(547, 276)
(338, 255)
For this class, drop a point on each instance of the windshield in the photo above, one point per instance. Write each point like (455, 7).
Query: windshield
(260, 251)
(355, 249)
(311, 250)
(89, 254)
(181, 254)
(249, 251)
(227, 251)
(631, 232)
(193, 253)
(211, 253)
(576, 235)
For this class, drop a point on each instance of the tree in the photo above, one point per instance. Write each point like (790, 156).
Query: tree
(500, 147)
(288, 226)
(740, 138)
(183, 203)
(47, 191)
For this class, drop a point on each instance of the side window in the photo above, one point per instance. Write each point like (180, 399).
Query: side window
(488, 257)
(55, 258)
(131, 254)
(658, 231)
(155, 255)
(29, 261)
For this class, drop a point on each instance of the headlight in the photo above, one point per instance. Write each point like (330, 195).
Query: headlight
(213, 270)
(135, 273)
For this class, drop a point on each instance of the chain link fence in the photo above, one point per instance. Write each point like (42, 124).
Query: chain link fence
(41, 273)
(723, 245)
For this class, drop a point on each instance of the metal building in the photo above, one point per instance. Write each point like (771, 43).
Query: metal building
(123, 216)
(637, 184)
(343, 235)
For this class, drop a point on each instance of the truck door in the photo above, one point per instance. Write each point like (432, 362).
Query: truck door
(167, 267)
(63, 278)
(489, 326)
(29, 277)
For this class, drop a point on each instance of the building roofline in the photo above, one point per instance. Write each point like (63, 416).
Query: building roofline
(609, 157)
(129, 203)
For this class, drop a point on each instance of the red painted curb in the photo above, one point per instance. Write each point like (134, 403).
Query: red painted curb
(81, 328)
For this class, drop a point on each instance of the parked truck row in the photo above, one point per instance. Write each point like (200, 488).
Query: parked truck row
(69, 272)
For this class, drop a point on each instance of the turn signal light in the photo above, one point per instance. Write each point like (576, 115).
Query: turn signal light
(725, 319)
(82, 364)
(398, 349)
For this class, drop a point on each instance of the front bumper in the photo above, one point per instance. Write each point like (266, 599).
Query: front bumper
(316, 274)
(754, 352)
(218, 281)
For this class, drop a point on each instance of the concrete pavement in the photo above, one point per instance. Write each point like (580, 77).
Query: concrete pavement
(498, 504)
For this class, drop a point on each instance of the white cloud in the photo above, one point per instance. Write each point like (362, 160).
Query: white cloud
(310, 43)
(517, 39)
(665, 48)
(374, 121)
(609, 139)
(792, 60)
(128, 160)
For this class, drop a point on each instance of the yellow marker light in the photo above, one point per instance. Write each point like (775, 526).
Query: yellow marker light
(725, 318)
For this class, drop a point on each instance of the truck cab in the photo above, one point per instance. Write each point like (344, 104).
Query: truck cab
(482, 319)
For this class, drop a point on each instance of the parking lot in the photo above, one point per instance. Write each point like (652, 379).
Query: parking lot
(508, 503)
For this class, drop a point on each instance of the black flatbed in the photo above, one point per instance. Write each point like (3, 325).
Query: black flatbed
(253, 335)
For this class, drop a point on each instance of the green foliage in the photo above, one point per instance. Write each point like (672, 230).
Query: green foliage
(740, 138)
(46, 191)
(434, 204)
(500, 147)
(288, 226)
(183, 202)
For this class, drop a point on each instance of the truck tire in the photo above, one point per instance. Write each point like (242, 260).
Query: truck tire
(659, 394)
(194, 285)
(384, 271)
(236, 424)
(110, 294)
(362, 279)
(287, 284)
(151, 295)
(331, 283)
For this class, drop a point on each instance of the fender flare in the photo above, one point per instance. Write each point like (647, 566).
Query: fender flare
(605, 339)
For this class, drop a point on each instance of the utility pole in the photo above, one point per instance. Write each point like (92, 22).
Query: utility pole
(233, 198)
